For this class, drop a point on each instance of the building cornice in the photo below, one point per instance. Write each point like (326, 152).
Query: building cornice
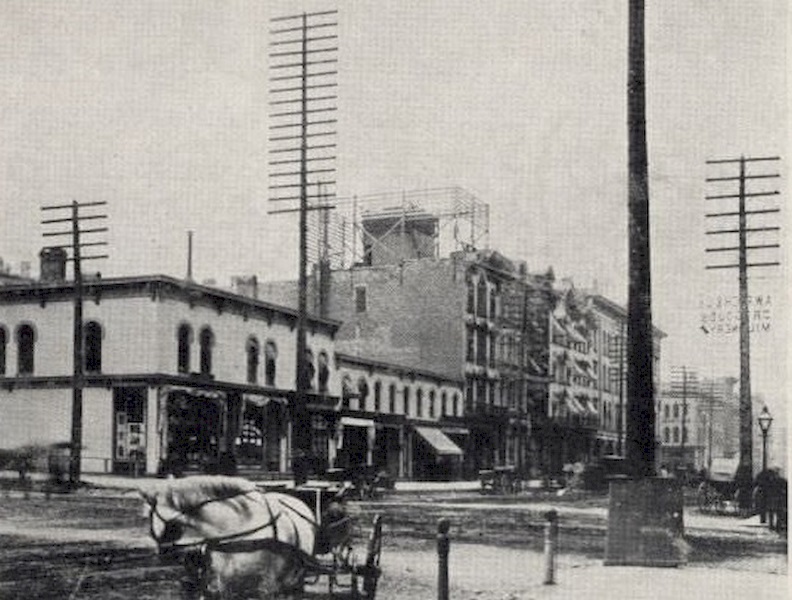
(198, 382)
(400, 371)
(158, 287)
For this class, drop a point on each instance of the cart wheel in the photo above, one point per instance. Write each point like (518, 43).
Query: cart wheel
(371, 569)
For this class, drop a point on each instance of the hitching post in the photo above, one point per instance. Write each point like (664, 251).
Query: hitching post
(443, 544)
(550, 544)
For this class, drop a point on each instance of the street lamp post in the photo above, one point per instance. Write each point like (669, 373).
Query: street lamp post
(765, 420)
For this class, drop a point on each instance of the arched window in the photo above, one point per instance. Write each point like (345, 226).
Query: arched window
(26, 342)
(419, 403)
(392, 398)
(324, 371)
(3, 342)
(93, 347)
(455, 407)
(206, 341)
(443, 404)
(406, 400)
(270, 362)
(184, 339)
(308, 369)
(666, 435)
(363, 392)
(346, 390)
(253, 351)
(377, 395)
(431, 404)
(471, 298)
(676, 435)
(481, 298)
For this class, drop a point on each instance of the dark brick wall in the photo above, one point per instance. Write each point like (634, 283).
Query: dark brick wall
(414, 314)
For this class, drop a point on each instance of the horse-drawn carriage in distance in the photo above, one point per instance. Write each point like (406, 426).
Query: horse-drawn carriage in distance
(500, 480)
(364, 481)
(718, 492)
(239, 540)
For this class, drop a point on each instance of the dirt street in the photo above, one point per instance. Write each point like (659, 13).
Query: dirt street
(91, 546)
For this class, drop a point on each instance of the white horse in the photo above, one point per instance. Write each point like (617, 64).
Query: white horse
(236, 540)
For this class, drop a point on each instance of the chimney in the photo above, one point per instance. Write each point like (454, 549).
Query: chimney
(53, 264)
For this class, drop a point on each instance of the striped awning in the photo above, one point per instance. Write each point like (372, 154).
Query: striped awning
(440, 442)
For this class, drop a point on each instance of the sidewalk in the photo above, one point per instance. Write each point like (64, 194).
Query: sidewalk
(501, 573)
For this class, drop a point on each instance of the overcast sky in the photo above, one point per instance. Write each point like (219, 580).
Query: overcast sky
(160, 108)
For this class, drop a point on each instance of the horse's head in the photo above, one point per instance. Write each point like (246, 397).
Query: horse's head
(169, 526)
(185, 512)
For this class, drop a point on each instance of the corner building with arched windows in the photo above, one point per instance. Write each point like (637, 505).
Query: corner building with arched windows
(177, 376)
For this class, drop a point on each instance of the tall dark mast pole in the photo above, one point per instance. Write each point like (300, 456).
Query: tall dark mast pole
(640, 421)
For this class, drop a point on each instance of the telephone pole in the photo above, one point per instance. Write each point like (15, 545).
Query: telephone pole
(76, 245)
(743, 230)
(684, 384)
(304, 52)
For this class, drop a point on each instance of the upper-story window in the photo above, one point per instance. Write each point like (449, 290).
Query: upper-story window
(346, 390)
(3, 342)
(392, 398)
(324, 371)
(270, 362)
(455, 406)
(206, 342)
(377, 395)
(481, 348)
(363, 392)
(471, 298)
(308, 369)
(431, 404)
(676, 411)
(666, 435)
(406, 400)
(419, 403)
(443, 404)
(93, 347)
(183, 340)
(470, 337)
(493, 303)
(26, 347)
(360, 299)
(253, 352)
(481, 298)
(676, 435)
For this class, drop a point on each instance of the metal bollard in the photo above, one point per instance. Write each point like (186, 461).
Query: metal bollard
(443, 545)
(550, 545)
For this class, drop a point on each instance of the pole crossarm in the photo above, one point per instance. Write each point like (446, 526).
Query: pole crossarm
(738, 196)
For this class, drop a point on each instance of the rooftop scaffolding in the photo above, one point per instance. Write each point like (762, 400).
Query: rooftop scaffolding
(429, 222)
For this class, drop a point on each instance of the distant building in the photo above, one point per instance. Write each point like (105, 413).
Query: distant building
(697, 422)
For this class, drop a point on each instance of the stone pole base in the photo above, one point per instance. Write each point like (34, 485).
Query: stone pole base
(645, 523)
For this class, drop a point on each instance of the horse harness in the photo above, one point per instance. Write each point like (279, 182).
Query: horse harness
(231, 542)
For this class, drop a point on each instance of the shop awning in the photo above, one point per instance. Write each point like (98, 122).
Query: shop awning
(456, 430)
(439, 441)
(356, 422)
(574, 406)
